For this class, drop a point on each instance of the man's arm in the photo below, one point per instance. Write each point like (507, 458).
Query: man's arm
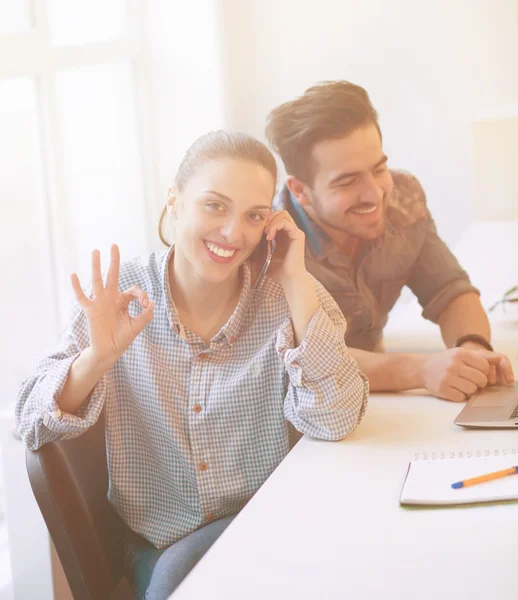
(453, 374)
(391, 372)
(464, 315)
(448, 299)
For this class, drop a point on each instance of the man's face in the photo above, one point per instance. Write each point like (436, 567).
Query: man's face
(352, 185)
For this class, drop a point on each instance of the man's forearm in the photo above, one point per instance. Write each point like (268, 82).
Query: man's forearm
(390, 372)
(462, 316)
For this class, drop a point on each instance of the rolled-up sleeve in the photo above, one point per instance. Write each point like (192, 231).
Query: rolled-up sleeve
(437, 277)
(37, 414)
(327, 394)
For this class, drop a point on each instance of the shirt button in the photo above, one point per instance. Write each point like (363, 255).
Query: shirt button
(203, 466)
(233, 339)
(209, 517)
(203, 356)
(197, 408)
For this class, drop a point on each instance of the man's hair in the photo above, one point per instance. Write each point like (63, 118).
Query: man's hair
(326, 111)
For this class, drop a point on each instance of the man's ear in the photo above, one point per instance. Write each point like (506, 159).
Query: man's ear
(298, 190)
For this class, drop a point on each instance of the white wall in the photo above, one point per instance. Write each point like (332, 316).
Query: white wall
(431, 69)
(495, 145)
(186, 81)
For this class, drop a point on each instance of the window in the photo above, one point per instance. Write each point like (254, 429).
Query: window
(75, 176)
(72, 130)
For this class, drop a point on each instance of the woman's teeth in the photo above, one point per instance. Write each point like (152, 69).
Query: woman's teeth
(219, 251)
(365, 210)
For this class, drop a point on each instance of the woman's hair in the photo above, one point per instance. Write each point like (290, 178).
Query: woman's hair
(329, 110)
(216, 145)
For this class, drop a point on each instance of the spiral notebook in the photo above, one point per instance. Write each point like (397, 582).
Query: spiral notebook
(430, 476)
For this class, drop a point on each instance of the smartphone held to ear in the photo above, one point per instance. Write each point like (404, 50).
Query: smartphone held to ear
(270, 249)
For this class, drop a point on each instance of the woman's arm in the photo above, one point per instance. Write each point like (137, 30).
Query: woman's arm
(327, 394)
(100, 333)
(303, 302)
(39, 417)
(85, 373)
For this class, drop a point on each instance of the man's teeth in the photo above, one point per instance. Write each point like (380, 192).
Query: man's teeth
(219, 251)
(365, 211)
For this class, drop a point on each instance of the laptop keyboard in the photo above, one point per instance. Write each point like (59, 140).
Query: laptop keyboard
(514, 414)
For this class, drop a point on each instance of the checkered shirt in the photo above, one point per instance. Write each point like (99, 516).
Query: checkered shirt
(193, 430)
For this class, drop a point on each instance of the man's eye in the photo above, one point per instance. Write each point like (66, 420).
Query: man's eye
(347, 183)
(381, 170)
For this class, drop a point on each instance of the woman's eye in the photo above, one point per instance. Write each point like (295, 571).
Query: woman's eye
(256, 216)
(216, 205)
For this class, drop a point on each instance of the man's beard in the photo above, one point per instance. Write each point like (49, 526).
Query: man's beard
(345, 226)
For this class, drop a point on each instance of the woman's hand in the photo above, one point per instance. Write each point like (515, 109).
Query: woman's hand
(288, 258)
(110, 327)
(289, 270)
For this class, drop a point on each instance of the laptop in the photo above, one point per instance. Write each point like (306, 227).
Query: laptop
(493, 406)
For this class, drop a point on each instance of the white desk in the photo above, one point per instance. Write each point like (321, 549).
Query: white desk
(327, 524)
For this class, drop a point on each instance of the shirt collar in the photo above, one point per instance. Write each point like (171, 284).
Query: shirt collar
(318, 242)
(232, 328)
(172, 315)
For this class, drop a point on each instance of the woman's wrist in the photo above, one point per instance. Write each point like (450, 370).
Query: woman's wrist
(296, 281)
(85, 372)
(303, 302)
(97, 362)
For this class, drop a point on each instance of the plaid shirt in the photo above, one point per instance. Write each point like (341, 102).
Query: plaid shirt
(193, 431)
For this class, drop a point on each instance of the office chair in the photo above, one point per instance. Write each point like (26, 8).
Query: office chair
(69, 479)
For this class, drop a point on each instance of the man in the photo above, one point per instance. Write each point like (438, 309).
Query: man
(369, 233)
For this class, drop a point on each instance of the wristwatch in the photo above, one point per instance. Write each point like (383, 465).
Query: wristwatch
(474, 337)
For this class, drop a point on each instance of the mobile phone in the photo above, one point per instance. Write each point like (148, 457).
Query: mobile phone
(270, 249)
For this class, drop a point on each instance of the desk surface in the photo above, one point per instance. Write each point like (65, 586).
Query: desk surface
(327, 524)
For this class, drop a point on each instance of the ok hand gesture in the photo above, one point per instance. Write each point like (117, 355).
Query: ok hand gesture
(110, 326)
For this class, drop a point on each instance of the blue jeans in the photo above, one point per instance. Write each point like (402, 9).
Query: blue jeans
(154, 574)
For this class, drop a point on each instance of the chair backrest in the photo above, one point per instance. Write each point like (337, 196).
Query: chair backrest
(70, 480)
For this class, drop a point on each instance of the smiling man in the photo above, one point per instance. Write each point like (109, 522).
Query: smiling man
(368, 234)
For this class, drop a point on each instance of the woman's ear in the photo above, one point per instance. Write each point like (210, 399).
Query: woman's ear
(171, 201)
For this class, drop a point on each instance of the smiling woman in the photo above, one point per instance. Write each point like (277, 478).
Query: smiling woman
(204, 379)
(216, 145)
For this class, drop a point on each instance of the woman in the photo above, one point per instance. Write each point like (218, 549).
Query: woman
(203, 377)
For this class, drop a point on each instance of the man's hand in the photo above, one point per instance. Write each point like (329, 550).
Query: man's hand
(494, 375)
(458, 373)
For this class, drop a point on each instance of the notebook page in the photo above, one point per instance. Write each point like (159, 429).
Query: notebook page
(429, 481)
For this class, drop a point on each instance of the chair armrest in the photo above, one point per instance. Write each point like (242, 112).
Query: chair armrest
(70, 523)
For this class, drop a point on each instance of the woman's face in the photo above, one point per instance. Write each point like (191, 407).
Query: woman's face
(220, 216)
